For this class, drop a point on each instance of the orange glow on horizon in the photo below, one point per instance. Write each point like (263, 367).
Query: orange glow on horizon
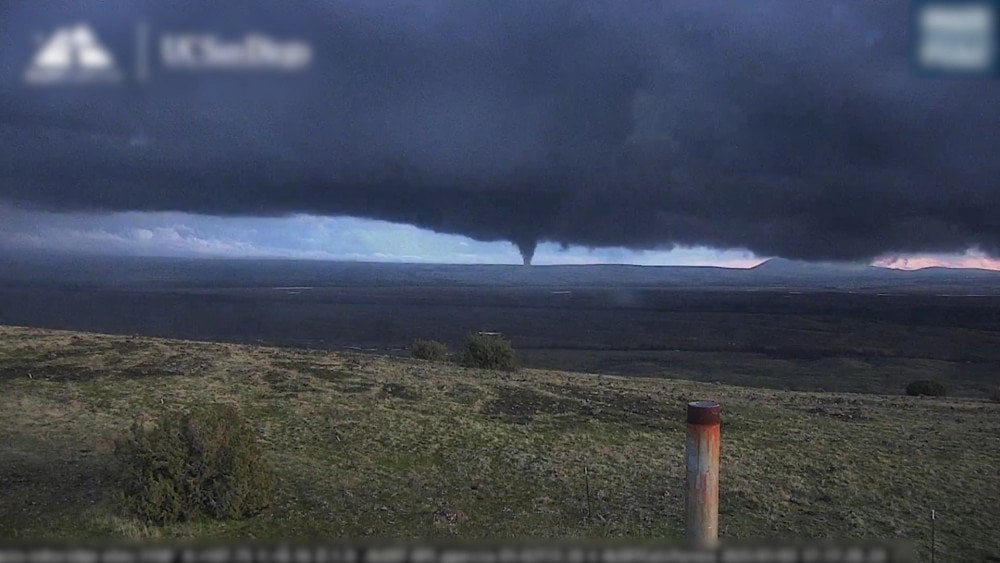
(918, 261)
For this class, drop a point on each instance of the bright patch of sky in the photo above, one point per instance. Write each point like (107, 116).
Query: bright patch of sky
(973, 258)
(342, 238)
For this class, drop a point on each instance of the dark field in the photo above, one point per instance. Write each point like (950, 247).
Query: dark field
(863, 330)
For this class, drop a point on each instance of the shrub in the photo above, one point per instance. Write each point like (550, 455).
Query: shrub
(202, 463)
(429, 350)
(489, 351)
(926, 387)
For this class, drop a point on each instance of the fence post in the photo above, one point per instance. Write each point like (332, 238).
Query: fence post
(703, 449)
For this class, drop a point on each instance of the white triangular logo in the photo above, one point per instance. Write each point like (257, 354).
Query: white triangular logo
(72, 54)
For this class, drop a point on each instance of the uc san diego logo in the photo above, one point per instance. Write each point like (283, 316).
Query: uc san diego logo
(72, 54)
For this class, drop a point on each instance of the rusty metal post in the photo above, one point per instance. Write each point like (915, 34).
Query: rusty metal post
(703, 454)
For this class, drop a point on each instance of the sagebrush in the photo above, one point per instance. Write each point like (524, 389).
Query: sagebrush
(490, 351)
(926, 387)
(429, 350)
(202, 463)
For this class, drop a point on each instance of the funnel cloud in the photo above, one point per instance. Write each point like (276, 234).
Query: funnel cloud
(527, 249)
(786, 128)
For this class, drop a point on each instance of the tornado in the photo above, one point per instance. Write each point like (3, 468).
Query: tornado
(527, 248)
(593, 125)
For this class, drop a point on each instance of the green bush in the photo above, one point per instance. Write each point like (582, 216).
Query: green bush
(926, 387)
(202, 463)
(429, 350)
(489, 351)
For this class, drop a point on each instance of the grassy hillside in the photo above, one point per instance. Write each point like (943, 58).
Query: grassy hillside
(390, 448)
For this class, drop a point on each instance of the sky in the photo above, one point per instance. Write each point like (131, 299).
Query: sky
(307, 237)
(683, 132)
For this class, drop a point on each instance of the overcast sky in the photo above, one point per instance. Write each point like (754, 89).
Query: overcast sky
(643, 132)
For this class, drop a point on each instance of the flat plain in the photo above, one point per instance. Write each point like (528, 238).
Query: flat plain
(811, 340)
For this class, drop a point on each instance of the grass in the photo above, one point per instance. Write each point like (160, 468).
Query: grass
(867, 374)
(369, 446)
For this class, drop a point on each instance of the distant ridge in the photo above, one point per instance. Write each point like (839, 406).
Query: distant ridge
(777, 274)
(784, 266)
(950, 271)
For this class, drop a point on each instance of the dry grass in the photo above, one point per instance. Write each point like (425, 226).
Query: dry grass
(374, 446)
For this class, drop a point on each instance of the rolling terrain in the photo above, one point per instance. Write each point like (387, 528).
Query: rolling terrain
(375, 446)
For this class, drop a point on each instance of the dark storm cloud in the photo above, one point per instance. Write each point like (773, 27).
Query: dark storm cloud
(789, 128)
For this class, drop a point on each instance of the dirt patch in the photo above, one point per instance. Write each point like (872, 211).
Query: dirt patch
(327, 373)
(449, 516)
(399, 391)
(464, 393)
(77, 482)
(521, 405)
(50, 373)
(356, 388)
(838, 412)
(147, 369)
(610, 405)
(284, 382)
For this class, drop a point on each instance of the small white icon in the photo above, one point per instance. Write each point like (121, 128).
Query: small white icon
(957, 37)
(72, 54)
